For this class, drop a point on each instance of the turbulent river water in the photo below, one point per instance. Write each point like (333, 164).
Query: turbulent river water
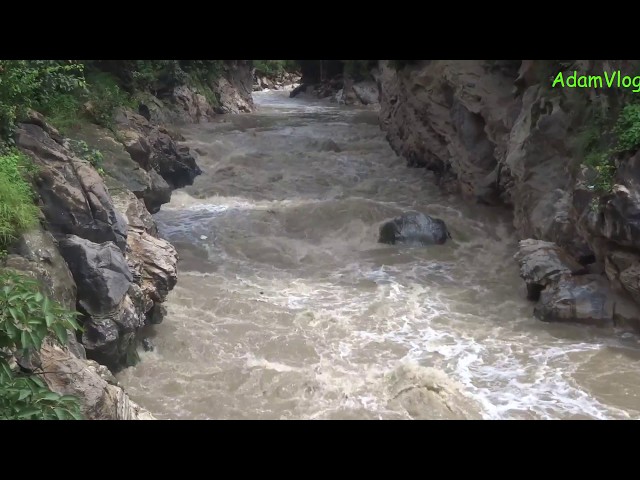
(287, 307)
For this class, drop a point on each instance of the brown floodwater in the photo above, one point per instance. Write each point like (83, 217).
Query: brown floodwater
(287, 307)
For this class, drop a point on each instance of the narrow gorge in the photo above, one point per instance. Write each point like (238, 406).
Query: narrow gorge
(220, 228)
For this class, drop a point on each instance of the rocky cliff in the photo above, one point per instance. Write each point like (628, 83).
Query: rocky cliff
(98, 250)
(498, 133)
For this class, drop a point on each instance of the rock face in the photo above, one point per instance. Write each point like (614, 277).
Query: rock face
(74, 198)
(101, 397)
(234, 88)
(565, 291)
(100, 271)
(123, 272)
(152, 148)
(542, 264)
(414, 228)
(68, 370)
(497, 133)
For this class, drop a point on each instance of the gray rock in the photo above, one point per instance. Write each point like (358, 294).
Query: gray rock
(414, 228)
(582, 299)
(543, 263)
(99, 270)
(74, 197)
(100, 397)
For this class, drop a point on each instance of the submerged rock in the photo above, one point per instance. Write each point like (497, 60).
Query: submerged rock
(414, 228)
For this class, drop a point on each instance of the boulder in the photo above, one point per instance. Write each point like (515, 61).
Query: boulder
(100, 271)
(175, 164)
(100, 396)
(542, 263)
(582, 299)
(414, 228)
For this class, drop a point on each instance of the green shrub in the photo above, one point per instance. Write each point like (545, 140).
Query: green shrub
(27, 316)
(104, 96)
(272, 68)
(17, 209)
(28, 84)
(627, 128)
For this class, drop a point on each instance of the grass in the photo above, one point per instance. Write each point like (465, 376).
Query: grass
(18, 211)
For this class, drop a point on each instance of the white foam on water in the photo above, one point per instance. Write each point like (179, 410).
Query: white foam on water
(301, 314)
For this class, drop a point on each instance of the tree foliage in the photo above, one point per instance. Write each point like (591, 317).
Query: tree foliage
(27, 316)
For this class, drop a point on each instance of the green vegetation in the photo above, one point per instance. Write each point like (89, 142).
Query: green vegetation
(26, 318)
(35, 84)
(627, 128)
(272, 68)
(17, 209)
(92, 155)
(601, 144)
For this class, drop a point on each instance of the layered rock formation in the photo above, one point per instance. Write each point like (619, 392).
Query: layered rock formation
(122, 271)
(181, 103)
(66, 370)
(98, 251)
(497, 133)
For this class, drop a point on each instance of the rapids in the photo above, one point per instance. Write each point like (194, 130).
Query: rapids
(287, 307)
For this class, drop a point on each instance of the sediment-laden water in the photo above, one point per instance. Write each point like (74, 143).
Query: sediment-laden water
(287, 307)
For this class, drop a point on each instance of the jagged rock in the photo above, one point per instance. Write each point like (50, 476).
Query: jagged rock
(414, 228)
(234, 87)
(100, 397)
(99, 270)
(190, 104)
(74, 197)
(366, 92)
(128, 163)
(581, 299)
(158, 259)
(152, 260)
(135, 213)
(37, 252)
(100, 337)
(175, 164)
(156, 314)
(542, 264)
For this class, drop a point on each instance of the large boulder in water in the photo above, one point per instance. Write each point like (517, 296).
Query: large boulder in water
(414, 228)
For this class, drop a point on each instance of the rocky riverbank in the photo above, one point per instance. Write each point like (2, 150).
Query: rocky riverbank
(497, 133)
(98, 249)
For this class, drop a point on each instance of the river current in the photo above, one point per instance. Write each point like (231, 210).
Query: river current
(287, 307)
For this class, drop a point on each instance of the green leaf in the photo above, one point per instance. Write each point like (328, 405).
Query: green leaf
(38, 297)
(51, 396)
(60, 332)
(49, 319)
(5, 370)
(61, 414)
(24, 339)
(23, 394)
(27, 413)
(76, 415)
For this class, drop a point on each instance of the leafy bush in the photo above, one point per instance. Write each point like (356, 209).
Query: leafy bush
(272, 68)
(28, 84)
(627, 128)
(26, 317)
(104, 96)
(17, 209)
